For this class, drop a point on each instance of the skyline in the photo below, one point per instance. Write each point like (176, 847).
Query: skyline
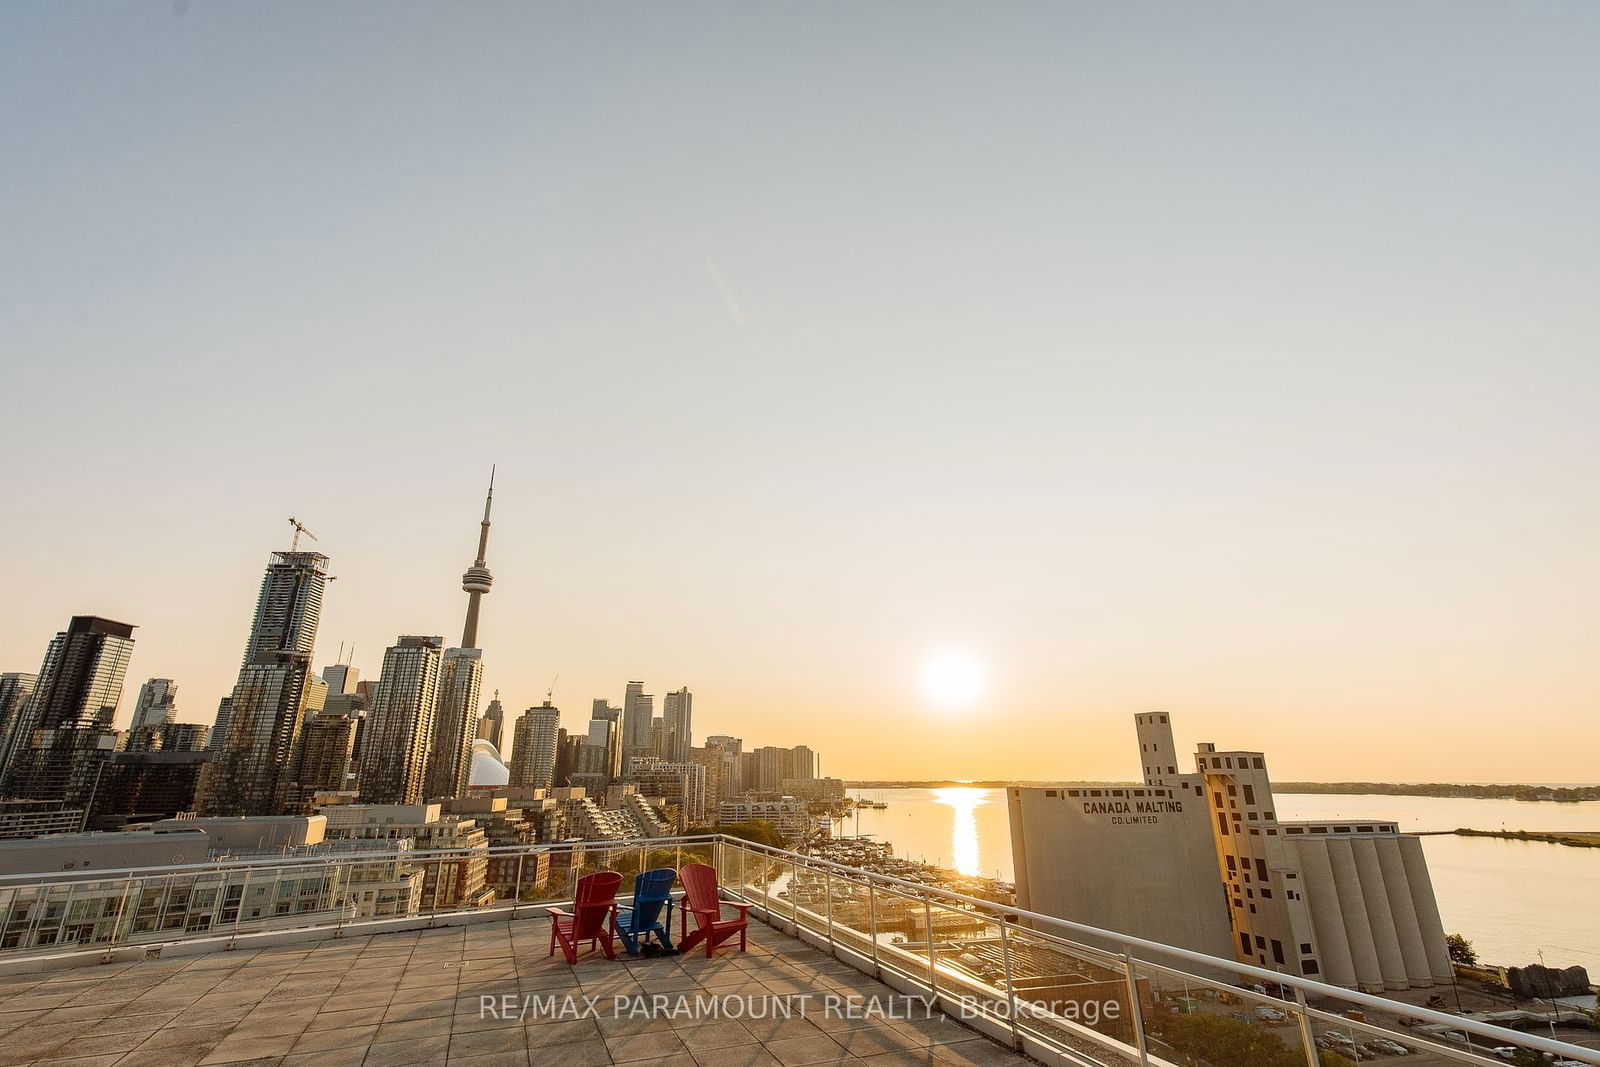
(936, 668)
(1239, 367)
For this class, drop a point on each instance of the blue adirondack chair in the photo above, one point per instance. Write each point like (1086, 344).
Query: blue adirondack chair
(650, 913)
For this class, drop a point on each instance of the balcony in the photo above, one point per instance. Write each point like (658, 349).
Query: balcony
(291, 960)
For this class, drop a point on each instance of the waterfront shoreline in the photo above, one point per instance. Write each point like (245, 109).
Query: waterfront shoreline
(1568, 839)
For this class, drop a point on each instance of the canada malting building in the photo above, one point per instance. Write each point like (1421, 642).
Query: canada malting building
(1201, 860)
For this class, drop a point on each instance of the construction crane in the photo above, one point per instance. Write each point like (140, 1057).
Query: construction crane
(299, 528)
(548, 693)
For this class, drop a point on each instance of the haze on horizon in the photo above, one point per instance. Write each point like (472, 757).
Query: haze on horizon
(1235, 361)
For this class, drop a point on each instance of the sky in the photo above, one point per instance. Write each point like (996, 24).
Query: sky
(1233, 360)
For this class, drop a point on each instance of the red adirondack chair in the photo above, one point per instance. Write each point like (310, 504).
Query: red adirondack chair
(593, 917)
(701, 901)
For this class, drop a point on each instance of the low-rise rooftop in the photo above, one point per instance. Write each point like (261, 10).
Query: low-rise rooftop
(484, 994)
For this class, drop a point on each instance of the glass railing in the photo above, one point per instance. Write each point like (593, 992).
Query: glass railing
(1065, 992)
(1059, 991)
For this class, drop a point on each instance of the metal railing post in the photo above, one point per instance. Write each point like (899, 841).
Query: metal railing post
(161, 912)
(516, 894)
(1135, 1015)
(122, 908)
(341, 904)
(1011, 989)
(238, 913)
(933, 963)
(827, 887)
(66, 915)
(794, 897)
(872, 924)
(438, 884)
(1307, 1039)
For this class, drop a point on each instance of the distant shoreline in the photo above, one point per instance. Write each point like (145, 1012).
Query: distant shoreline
(1567, 838)
(1529, 793)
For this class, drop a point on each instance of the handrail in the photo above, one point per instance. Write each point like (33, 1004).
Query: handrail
(1128, 941)
(353, 856)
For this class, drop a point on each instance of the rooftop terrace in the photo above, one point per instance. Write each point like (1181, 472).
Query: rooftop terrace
(420, 997)
(286, 961)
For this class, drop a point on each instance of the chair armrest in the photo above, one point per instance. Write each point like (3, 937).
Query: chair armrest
(743, 908)
(558, 911)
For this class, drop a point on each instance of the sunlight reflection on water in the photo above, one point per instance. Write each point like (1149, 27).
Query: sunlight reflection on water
(964, 801)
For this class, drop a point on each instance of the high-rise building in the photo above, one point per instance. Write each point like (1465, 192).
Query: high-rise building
(157, 704)
(399, 730)
(721, 770)
(249, 774)
(184, 736)
(64, 732)
(15, 689)
(772, 766)
(723, 753)
(324, 758)
(599, 759)
(169, 737)
(805, 762)
(568, 747)
(140, 786)
(638, 709)
(342, 679)
(455, 723)
(677, 736)
(533, 753)
(491, 725)
(219, 724)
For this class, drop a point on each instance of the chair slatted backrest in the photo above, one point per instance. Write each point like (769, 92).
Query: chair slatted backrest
(700, 892)
(596, 894)
(650, 892)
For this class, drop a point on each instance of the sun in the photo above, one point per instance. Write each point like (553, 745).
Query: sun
(953, 679)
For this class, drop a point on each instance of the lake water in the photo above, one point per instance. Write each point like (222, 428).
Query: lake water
(1512, 899)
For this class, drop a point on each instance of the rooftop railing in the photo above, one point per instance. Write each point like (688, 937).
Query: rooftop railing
(1060, 991)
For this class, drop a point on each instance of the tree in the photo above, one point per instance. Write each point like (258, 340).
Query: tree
(761, 831)
(1461, 950)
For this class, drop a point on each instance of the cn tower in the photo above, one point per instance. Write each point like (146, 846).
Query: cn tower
(477, 580)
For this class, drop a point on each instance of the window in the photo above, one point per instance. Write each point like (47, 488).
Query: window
(1050, 793)
(1266, 894)
(1277, 951)
(1305, 948)
(1258, 765)
(1244, 942)
(1261, 942)
(1218, 797)
(1261, 869)
(1232, 790)
(1222, 824)
(1308, 967)
(1249, 793)
(1231, 865)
